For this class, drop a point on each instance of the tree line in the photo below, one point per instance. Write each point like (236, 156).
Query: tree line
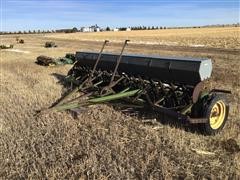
(29, 32)
(73, 30)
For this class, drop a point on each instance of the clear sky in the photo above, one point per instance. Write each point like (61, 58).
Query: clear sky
(53, 14)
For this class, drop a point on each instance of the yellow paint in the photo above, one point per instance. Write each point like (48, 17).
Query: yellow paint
(217, 115)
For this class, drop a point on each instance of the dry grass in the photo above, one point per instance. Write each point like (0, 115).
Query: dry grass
(209, 37)
(102, 142)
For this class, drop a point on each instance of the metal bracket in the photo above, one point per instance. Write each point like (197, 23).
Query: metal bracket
(119, 59)
(108, 89)
(98, 59)
(221, 91)
(89, 80)
(197, 90)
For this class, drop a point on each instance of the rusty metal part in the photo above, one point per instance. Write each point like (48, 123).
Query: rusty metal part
(197, 120)
(221, 91)
(108, 89)
(197, 91)
(99, 57)
(119, 59)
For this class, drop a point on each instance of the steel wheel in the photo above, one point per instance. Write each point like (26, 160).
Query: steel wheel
(216, 111)
(217, 115)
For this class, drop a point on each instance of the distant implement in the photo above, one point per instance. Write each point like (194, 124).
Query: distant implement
(50, 44)
(173, 87)
(9, 46)
(49, 61)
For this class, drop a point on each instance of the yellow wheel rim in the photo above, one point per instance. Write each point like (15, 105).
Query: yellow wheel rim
(217, 115)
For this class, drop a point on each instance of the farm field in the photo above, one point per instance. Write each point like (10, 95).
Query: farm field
(104, 143)
(195, 37)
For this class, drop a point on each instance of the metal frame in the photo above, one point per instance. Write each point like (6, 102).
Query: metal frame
(105, 86)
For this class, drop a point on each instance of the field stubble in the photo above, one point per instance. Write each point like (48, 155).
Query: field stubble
(203, 37)
(102, 142)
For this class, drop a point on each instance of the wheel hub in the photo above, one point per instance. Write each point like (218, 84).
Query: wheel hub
(217, 114)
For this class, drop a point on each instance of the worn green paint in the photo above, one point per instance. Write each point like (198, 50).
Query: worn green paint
(97, 100)
(113, 97)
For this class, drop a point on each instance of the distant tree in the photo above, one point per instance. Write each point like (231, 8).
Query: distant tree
(74, 29)
(68, 31)
(122, 29)
(108, 29)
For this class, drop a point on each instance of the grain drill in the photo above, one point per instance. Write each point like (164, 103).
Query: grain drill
(170, 86)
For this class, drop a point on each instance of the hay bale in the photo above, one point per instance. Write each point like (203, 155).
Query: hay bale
(50, 44)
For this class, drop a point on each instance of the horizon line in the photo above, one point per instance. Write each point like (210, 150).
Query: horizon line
(167, 27)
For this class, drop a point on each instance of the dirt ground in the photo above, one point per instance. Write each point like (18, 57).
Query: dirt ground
(104, 143)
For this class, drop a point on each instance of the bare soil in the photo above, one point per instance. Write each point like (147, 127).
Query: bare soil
(102, 142)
